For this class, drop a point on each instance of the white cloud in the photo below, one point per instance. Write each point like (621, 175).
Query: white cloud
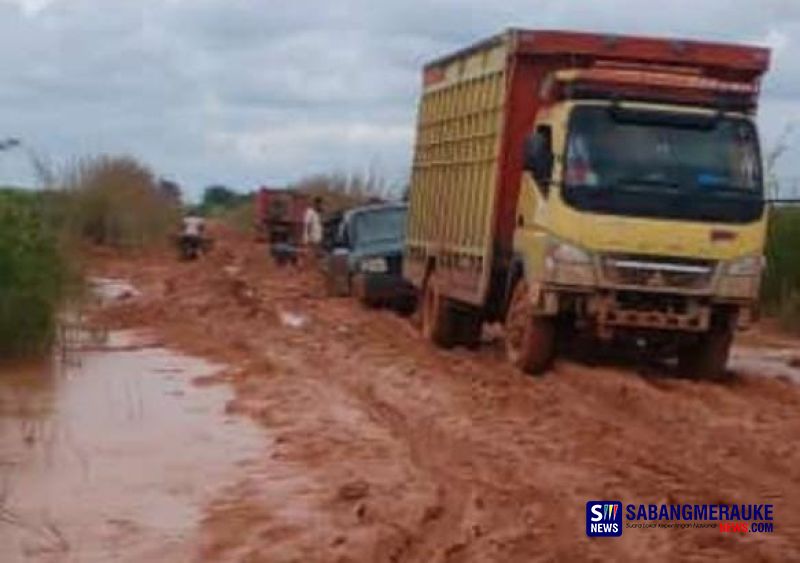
(263, 145)
(31, 7)
(246, 91)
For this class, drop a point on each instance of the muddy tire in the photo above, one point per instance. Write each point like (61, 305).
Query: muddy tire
(707, 357)
(358, 288)
(332, 289)
(406, 306)
(437, 315)
(530, 340)
(469, 326)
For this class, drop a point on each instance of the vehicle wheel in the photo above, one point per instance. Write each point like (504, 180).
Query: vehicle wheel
(437, 315)
(406, 306)
(359, 288)
(330, 286)
(707, 357)
(337, 284)
(468, 328)
(530, 340)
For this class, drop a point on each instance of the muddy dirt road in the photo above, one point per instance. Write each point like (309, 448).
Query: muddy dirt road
(384, 449)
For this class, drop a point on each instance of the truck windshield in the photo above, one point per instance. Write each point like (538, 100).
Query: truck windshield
(379, 226)
(663, 165)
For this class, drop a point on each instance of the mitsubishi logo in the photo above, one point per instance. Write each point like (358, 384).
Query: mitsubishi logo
(656, 280)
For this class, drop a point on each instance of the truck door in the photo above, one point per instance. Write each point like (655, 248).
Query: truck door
(532, 207)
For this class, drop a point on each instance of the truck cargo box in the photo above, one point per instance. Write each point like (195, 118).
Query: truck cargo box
(279, 215)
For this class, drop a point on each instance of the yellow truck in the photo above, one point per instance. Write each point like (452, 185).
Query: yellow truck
(577, 184)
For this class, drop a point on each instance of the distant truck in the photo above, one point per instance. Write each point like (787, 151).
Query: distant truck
(571, 183)
(279, 221)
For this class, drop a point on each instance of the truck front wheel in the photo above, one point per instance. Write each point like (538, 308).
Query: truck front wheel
(707, 357)
(530, 340)
(437, 315)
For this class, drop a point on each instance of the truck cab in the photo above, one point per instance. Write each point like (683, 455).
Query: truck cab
(643, 220)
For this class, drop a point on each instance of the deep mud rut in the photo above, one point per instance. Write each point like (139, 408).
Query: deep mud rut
(381, 448)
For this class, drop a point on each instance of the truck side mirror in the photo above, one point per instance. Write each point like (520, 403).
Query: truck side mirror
(539, 157)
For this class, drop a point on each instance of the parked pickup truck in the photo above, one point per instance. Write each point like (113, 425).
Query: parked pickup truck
(364, 257)
(602, 185)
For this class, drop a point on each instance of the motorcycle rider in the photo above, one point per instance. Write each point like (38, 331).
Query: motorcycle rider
(191, 239)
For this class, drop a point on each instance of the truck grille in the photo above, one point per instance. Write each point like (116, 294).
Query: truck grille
(657, 272)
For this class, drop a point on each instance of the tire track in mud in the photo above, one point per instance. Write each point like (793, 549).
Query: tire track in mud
(439, 453)
(694, 404)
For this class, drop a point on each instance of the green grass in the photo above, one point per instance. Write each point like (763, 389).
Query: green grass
(110, 201)
(33, 275)
(781, 289)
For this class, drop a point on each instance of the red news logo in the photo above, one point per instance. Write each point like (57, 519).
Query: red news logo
(745, 527)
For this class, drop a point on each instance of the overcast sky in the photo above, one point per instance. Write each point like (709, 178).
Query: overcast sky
(250, 92)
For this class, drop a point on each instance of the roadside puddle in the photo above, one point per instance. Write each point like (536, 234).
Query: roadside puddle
(768, 362)
(113, 452)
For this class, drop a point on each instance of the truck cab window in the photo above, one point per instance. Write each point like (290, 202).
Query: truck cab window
(653, 164)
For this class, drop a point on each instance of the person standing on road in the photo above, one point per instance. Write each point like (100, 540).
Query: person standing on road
(312, 229)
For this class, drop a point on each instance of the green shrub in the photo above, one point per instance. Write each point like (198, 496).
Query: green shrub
(33, 275)
(781, 289)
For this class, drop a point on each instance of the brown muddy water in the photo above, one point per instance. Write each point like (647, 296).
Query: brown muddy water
(112, 452)
(783, 363)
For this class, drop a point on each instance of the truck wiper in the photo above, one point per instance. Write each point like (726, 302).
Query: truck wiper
(628, 180)
(737, 191)
(666, 186)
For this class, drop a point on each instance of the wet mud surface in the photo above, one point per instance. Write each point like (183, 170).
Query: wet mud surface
(378, 447)
(111, 453)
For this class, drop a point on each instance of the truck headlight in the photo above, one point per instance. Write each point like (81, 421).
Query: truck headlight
(568, 264)
(745, 266)
(741, 277)
(561, 251)
(374, 265)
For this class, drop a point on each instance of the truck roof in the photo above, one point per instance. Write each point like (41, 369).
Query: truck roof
(742, 62)
(376, 207)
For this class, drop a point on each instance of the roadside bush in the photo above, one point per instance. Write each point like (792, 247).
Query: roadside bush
(219, 201)
(33, 275)
(116, 201)
(781, 289)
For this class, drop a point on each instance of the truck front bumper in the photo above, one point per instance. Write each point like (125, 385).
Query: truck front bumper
(609, 310)
(649, 311)
(642, 292)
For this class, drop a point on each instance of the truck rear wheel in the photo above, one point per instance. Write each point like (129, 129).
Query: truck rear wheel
(530, 340)
(469, 326)
(707, 357)
(437, 315)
